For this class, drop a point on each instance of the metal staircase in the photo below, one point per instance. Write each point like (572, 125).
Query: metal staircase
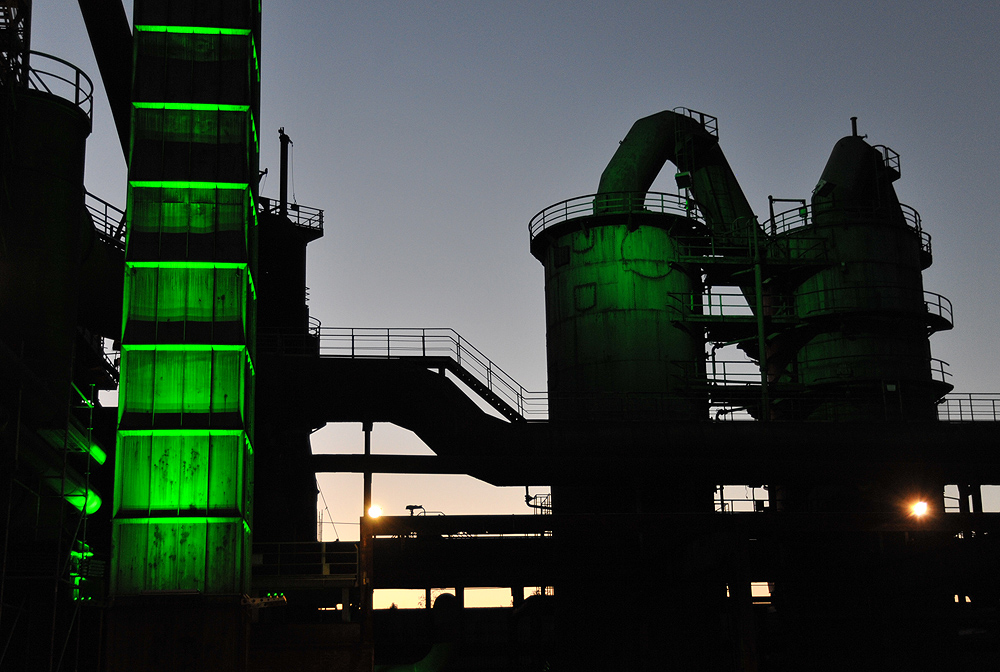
(442, 349)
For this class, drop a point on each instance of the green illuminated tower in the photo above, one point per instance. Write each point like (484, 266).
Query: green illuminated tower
(184, 464)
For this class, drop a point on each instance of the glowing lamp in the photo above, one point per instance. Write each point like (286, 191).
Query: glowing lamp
(919, 508)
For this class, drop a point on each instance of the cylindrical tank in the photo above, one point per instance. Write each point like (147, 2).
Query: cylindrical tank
(862, 352)
(616, 292)
(42, 229)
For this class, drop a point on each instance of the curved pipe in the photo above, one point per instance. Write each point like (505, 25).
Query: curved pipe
(685, 142)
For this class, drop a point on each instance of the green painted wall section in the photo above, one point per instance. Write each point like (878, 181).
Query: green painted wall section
(614, 296)
(187, 293)
(184, 381)
(184, 459)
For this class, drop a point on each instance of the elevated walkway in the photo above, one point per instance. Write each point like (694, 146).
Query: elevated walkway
(424, 380)
(417, 348)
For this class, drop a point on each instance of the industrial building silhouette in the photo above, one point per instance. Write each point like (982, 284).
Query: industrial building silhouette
(178, 529)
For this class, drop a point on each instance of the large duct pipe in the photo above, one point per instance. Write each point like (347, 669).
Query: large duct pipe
(111, 39)
(682, 137)
(684, 141)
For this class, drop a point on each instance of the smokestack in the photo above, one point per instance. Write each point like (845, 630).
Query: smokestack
(283, 177)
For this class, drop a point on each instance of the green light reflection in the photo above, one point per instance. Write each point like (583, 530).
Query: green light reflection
(192, 30)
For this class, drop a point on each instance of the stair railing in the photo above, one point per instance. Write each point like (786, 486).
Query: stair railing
(397, 343)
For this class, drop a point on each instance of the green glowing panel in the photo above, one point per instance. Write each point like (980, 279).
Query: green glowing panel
(188, 207)
(197, 553)
(182, 292)
(182, 472)
(192, 30)
(203, 107)
(183, 379)
(615, 302)
(187, 184)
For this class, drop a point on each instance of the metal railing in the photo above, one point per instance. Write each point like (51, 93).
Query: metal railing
(715, 247)
(887, 298)
(939, 370)
(890, 157)
(300, 215)
(62, 79)
(109, 220)
(796, 218)
(939, 306)
(729, 372)
(710, 123)
(106, 348)
(734, 505)
(970, 407)
(623, 202)
(320, 559)
(391, 343)
(720, 305)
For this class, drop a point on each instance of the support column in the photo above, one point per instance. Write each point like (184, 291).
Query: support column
(184, 464)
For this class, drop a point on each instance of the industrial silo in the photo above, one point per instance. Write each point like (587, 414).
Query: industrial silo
(41, 215)
(861, 350)
(615, 288)
(626, 348)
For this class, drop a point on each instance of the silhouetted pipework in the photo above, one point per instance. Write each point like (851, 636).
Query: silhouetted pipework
(838, 319)
(860, 350)
(15, 42)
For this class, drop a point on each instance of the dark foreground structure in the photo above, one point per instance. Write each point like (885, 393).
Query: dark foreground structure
(755, 462)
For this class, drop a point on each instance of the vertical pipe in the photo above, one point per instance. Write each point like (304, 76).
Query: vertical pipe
(365, 570)
(283, 177)
(367, 428)
(367, 548)
(761, 334)
(963, 498)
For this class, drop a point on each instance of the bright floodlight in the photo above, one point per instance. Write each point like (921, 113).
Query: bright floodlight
(375, 511)
(919, 508)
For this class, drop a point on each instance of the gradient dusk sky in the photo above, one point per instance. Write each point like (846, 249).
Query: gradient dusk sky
(431, 132)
